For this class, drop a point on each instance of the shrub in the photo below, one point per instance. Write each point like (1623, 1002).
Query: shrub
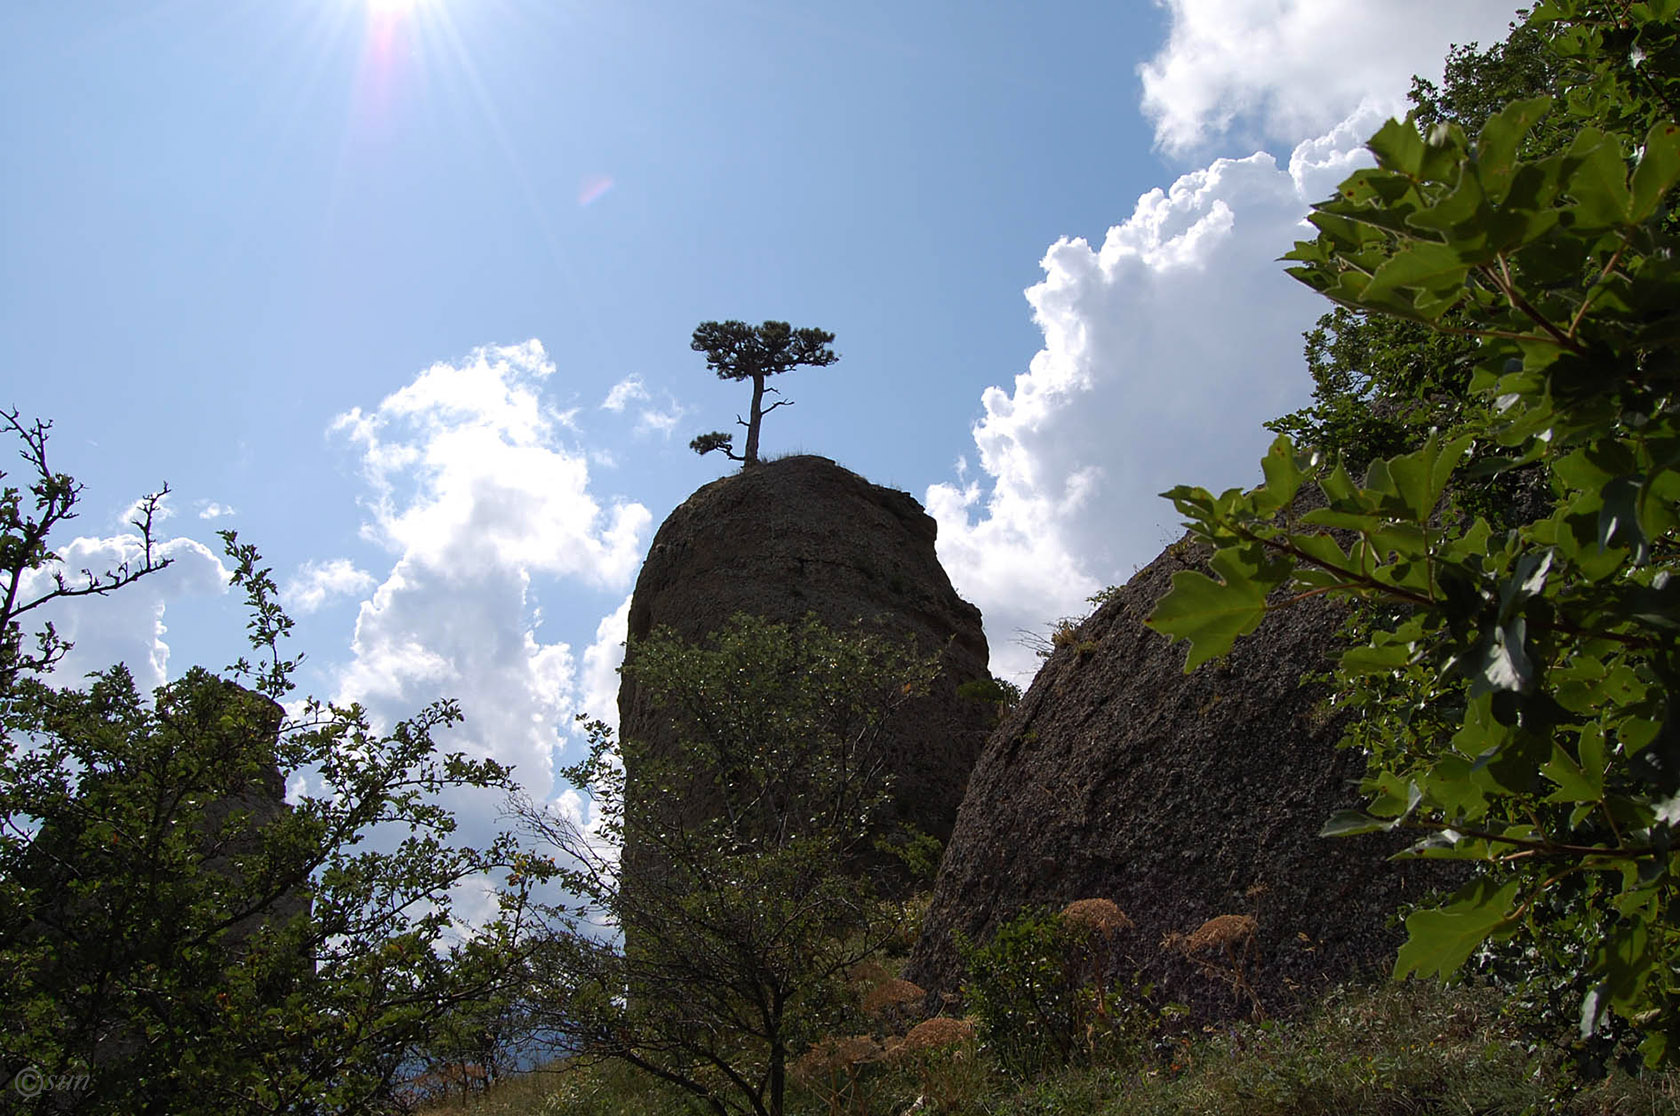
(1044, 992)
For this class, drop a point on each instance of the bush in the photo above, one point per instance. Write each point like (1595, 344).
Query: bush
(1045, 993)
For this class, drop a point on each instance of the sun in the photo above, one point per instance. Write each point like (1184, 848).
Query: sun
(391, 8)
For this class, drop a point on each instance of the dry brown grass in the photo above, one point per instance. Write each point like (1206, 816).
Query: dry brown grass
(866, 974)
(835, 1054)
(934, 1034)
(1222, 947)
(1101, 916)
(1227, 932)
(892, 997)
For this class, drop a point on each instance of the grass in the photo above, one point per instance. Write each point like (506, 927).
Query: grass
(1394, 1050)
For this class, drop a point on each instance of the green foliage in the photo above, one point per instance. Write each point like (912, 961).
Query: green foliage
(1017, 985)
(1528, 679)
(1379, 386)
(919, 852)
(1400, 1050)
(1001, 694)
(738, 897)
(738, 351)
(1476, 84)
(1404, 1049)
(1382, 383)
(1045, 991)
(990, 689)
(175, 938)
(1103, 596)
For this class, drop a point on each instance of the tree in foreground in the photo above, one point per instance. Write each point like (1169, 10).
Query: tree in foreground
(174, 937)
(738, 920)
(1516, 684)
(738, 351)
(30, 576)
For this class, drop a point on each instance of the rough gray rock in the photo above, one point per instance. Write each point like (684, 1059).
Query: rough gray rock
(803, 535)
(1181, 798)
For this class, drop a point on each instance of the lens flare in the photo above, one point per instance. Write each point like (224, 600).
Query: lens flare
(591, 188)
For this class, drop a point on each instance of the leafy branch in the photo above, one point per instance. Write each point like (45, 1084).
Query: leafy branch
(1517, 697)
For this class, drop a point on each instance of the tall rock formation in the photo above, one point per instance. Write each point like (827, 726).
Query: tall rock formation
(1181, 798)
(803, 535)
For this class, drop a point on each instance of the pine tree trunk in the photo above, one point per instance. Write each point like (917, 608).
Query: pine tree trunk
(750, 455)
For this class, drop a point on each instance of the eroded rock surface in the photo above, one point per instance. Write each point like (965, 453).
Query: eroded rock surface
(1181, 798)
(803, 535)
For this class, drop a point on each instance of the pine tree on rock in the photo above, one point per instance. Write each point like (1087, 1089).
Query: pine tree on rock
(738, 351)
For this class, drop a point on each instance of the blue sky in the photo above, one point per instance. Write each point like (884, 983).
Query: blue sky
(403, 292)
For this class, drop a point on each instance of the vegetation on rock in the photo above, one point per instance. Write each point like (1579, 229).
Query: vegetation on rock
(738, 351)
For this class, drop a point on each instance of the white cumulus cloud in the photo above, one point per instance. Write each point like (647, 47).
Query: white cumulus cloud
(317, 583)
(598, 681)
(653, 420)
(623, 393)
(1270, 70)
(1165, 348)
(125, 626)
(1167, 345)
(483, 502)
(210, 509)
(134, 515)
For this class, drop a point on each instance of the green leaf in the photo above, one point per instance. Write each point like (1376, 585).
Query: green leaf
(1420, 478)
(1502, 661)
(1501, 138)
(1575, 783)
(1208, 613)
(1337, 485)
(1433, 267)
(1466, 202)
(1439, 941)
(1591, 747)
(1599, 182)
(1595, 1009)
(1395, 797)
(1399, 147)
(1380, 659)
(1350, 823)
(1453, 785)
(1283, 473)
(1323, 549)
(1344, 520)
(1618, 520)
(1657, 172)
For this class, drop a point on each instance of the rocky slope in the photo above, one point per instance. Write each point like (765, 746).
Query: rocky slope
(1181, 798)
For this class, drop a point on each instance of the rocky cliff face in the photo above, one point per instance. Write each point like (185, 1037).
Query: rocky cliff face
(802, 535)
(1181, 798)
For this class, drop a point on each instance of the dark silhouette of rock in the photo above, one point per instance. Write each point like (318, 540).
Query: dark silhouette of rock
(1181, 798)
(801, 535)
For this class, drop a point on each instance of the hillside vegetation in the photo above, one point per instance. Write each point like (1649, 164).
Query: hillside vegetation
(1387, 1050)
